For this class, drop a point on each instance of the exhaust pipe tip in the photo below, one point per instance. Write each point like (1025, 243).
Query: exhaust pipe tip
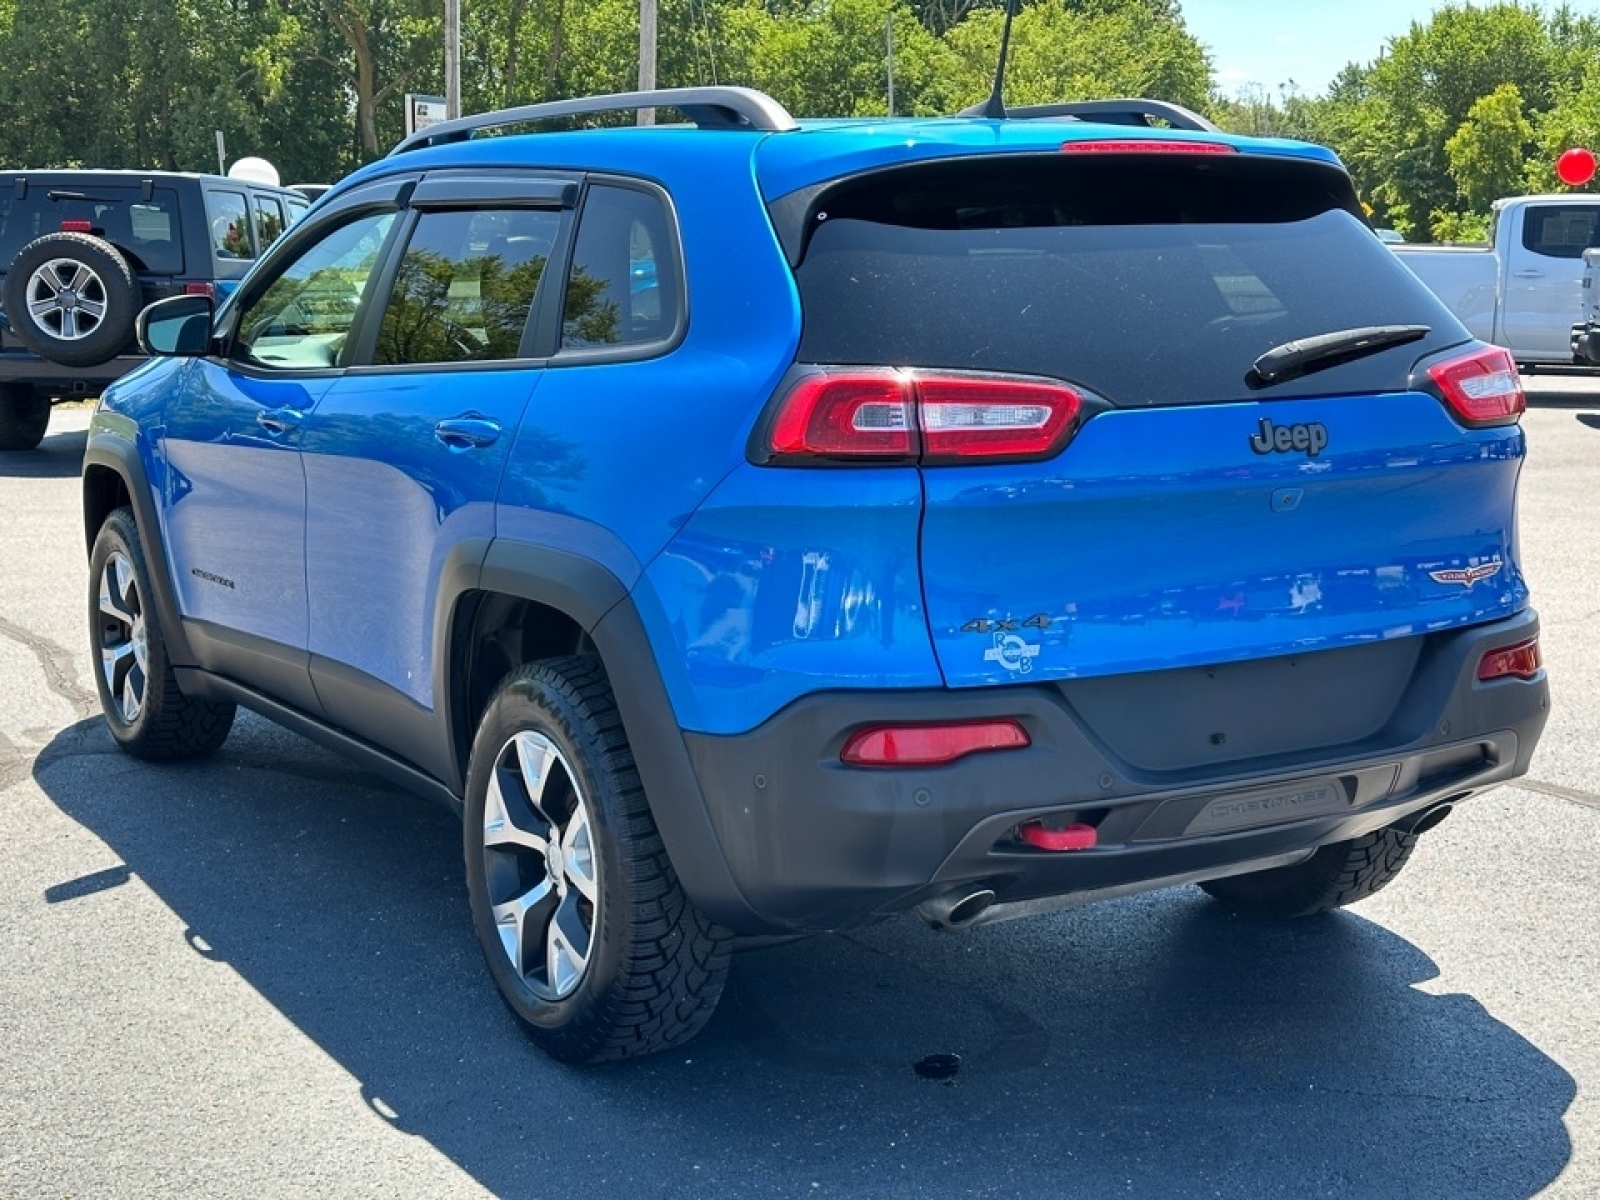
(956, 910)
(1431, 819)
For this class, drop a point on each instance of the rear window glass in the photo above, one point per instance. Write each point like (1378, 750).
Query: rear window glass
(1149, 282)
(230, 225)
(145, 230)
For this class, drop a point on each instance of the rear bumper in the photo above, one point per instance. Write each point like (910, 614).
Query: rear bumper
(28, 369)
(811, 844)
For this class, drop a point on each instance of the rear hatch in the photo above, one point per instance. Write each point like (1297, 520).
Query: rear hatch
(1176, 508)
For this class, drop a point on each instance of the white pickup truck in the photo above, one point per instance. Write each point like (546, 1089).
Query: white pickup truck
(1524, 290)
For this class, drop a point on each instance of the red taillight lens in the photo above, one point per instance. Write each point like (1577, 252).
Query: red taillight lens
(77, 227)
(930, 745)
(1521, 661)
(1145, 146)
(1481, 389)
(964, 419)
(908, 416)
(857, 414)
(199, 289)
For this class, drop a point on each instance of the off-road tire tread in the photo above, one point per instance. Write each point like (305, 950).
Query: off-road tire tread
(674, 959)
(24, 417)
(171, 726)
(1333, 877)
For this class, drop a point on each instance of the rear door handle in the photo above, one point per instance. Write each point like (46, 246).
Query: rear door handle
(468, 432)
(1528, 274)
(279, 420)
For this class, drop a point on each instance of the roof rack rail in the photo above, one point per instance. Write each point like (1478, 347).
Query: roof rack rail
(1132, 111)
(707, 107)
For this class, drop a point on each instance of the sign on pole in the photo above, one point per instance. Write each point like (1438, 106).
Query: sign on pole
(422, 111)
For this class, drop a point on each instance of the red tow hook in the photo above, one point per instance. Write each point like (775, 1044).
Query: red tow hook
(1074, 837)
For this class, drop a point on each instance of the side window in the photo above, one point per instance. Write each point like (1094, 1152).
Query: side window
(269, 220)
(622, 289)
(297, 209)
(466, 286)
(303, 318)
(230, 225)
(1559, 231)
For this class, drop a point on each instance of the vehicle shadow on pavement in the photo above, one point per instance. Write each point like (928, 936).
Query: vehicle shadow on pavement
(58, 456)
(1155, 1046)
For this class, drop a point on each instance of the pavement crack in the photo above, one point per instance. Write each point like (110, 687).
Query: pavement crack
(60, 672)
(1576, 795)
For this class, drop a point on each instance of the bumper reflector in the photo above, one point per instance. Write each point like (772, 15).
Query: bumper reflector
(1521, 661)
(930, 745)
(1073, 837)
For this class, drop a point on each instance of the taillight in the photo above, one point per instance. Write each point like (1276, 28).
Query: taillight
(1481, 388)
(200, 289)
(879, 415)
(1145, 146)
(930, 745)
(978, 418)
(858, 414)
(77, 227)
(1521, 661)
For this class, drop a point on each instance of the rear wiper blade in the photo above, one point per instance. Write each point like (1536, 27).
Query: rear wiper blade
(1301, 357)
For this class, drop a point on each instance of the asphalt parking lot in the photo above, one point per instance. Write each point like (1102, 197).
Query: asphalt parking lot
(255, 976)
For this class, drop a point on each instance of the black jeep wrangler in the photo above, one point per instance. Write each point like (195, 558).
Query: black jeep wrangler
(81, 252)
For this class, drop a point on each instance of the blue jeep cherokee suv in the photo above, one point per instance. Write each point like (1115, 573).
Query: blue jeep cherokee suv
(756, 528)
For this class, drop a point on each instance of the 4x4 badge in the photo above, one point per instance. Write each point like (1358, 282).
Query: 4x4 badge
(1466, 576)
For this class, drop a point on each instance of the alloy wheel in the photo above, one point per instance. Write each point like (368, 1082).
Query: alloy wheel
(540, 865)
(67, 299)
(124, 647)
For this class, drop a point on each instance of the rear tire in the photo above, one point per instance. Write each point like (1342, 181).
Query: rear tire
(1334, 876)
(24, 416)
(589, 937)
(144, 708)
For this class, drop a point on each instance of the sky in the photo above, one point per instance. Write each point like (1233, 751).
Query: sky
(1308, 42)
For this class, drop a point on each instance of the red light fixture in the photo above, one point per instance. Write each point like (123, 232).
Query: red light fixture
(1145, 146)
(1481, 388)
(1522, 661)
(880, 415)
(77, 227)
(930, 745)
(1076, 836)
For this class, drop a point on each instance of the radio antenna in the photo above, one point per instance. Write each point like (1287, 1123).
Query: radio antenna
(994, 108)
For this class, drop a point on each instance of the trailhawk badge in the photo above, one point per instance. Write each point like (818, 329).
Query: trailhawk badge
(1466, 576)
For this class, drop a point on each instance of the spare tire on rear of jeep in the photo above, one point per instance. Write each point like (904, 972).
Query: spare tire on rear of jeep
(71, 298)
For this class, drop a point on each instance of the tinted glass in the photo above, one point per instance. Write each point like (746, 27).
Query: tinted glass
(466, 286)
(303, 318)
(1149, 282)
(269, 220)
(622, 288)
(146, 231)
(230, 225)
(1559, 231)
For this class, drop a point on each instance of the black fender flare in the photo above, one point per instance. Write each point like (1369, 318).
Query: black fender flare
(113, 451)
(600, 603)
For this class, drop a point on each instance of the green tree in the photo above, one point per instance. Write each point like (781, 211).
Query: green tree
(1061, 51)
(1488, 151)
